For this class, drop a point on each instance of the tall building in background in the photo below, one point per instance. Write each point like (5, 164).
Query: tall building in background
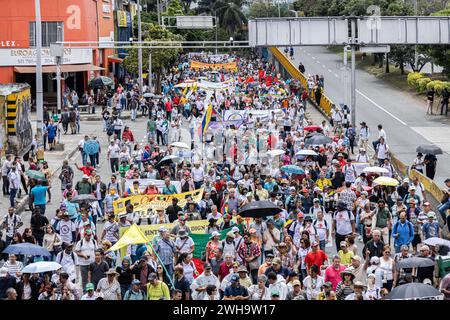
(62, 20)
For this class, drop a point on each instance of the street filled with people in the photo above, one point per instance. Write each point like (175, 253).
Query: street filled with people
(234, 193)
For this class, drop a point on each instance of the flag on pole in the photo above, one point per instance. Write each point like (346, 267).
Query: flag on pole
(206, 119)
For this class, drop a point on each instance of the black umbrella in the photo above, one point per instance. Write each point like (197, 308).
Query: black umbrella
(415, 262)
(429, 149)
(317, 139)
(84, 198)
(101, 82)
(259, 209)
(414, 291)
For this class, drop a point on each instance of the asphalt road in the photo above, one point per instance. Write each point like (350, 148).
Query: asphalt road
(401, 114)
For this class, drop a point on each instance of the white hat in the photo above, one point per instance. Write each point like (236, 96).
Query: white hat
(85, 176)
(375, 260)
(162, 229)
(3, 272)
(406, 180)
(235, 229)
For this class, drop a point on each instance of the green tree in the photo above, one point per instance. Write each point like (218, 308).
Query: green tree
(161, 58)
(187, 5)
(261, 10)
(230, 15)
(205, 7)
(174, 9)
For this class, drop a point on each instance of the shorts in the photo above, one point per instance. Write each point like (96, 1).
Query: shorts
(50, 140)
(416, 240)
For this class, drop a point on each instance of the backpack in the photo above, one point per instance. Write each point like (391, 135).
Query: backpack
(348, 214)
(72, 255)
(410, 226)
(315, 221)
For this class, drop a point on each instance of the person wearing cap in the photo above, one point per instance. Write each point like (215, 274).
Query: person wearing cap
(109, 286)
(345, 254)
(184, 243)
(200, 283)
(277, 268)
(157, 289)
(180, 224)
(277, 283)
(431, 227)
(425, 272)
(373, 267)
(327, 292)
(358, 293)
(90, 294)
(296, 293)
(357, 268)
(317, 207)
(6, 281)
(227, 222)
(411, 195)
(160, 217)
(66, 228)
(236, 291)
(135, 292)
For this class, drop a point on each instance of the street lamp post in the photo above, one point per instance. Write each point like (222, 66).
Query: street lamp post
(139, 49)
(39, 91)
(353, 74)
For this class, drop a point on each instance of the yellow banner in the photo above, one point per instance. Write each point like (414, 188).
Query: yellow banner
(142, 203)
(202, 65)
(122, 18)
(151, 230)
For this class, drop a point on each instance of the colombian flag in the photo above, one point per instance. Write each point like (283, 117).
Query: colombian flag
(206, 119)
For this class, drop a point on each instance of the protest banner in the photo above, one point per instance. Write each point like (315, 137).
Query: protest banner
(359, 167)
(143, 183)
(201, 65)
(142, 203)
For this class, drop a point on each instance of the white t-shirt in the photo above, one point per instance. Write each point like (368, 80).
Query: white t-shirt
(86, 248)
(343, 222)
(197, 174)
(184, 245)
(321, 227)
(68, 263)
(65, 229)
(114, 151)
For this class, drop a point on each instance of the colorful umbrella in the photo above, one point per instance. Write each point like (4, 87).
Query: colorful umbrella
(292, 169)
(312, 128)
(386, 181)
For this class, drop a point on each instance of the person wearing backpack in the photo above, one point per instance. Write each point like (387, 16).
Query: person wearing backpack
(68, 260)
(322, 229)
(343, 223)
(85, 250)
(11, 222)
(403, 232)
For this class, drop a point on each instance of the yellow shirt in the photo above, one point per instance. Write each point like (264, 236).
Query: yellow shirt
(346, 258)
(158, 291)
(323, 182)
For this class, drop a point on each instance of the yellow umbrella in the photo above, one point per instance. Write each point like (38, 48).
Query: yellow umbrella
(386, 181)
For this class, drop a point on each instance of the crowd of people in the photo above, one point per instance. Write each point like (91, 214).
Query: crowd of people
(339, 235)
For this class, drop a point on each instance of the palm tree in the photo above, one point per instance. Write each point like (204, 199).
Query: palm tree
(230, 15)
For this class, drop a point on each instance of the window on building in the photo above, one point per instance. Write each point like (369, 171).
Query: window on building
(51, 32)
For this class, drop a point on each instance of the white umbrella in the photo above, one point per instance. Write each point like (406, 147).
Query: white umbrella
(41, 266)
(434, 241)
(306, 152)
(180, 145)
(375, 170)
(275, 152)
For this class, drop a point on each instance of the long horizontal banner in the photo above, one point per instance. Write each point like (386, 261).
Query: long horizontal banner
(143, 183)
(143, 203)
(235, 115)
(202, 65)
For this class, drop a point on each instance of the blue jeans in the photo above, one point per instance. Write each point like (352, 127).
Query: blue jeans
(84, 157)
(322, 244)
(443, 210)
(169, 268)
(12, 196)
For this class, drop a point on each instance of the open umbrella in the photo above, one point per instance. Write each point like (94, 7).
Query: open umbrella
(317, 139)
(148, 95)
(312, 128)
(41, 266)
(167, 160)
(34, 174)
(275, 152)
(413, 291)
(415, 262)
(435, 241)
(84, 198)
(292, 169)
(180, 145)
(101, 82)
(386, 181)
(26, 248)
(306, 152)
(259, 209)
(91, 147)
(378, 170)
(429, 149)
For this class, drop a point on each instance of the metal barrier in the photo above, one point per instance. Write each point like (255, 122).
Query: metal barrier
(429, 185)
(325, 102)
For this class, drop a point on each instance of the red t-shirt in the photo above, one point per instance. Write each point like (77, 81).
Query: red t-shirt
(87, 170)
(168, 106)
(224, 270)
(333, 275)
(315, 258)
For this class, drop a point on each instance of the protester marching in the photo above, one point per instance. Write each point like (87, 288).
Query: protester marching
(234, 194)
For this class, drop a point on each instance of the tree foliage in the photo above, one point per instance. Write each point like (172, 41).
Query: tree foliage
(230, 15)
(262, 10)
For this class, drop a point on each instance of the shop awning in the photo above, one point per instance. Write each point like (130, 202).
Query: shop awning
(115, 59)
(64, 68)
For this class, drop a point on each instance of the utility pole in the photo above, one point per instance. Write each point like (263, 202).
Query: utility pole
(158, 11)
(217, 25)
(150, 75)
(353, 73)
(140, 49)
(416, 55)
(345, 75)
(39, 91)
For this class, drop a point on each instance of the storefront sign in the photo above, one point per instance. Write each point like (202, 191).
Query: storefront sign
(8, 43)
(27, 57)
(122, 18)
